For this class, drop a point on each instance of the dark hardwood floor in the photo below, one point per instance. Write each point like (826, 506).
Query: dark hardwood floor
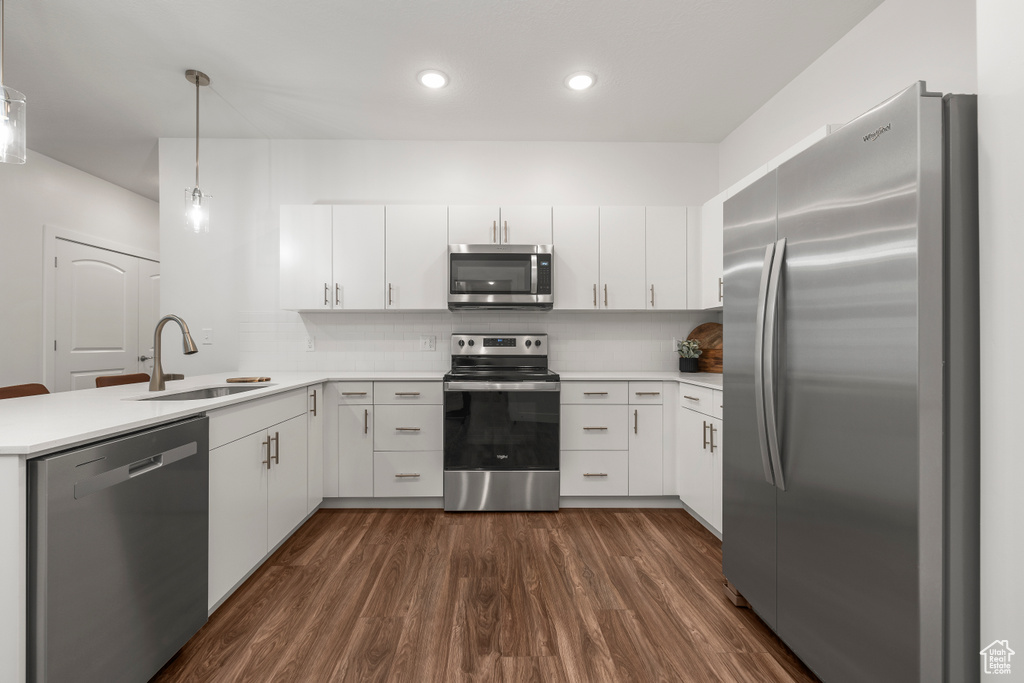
(421, 596)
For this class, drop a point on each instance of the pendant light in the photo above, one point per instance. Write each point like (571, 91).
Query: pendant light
(12, 113)
(197, 204)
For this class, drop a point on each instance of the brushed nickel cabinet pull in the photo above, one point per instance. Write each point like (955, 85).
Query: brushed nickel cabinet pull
(652, 296)
(366, 421)
(721, 286)
(636, 420)
(327, 295)
(403, 475)
(267, 461)
(337, 294)
(598, 429)
(595, 393)
(494, 232)
(353, 393)
(692, 398)
(705, 434)
(407, 429)
(595, 474)
(595, 295)
(277, 449)
(506, 232)
(713, 430)
(648, 393)
(407, 393)
(606, 296)
(314, 403)
(389, 294)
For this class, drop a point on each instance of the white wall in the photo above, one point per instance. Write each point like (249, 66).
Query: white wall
(1001, 170)
(228, 280)
(902, 41)
(46, 192)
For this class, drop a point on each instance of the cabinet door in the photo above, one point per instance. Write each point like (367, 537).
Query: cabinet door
(714, 516)
(645, 450)
(666, 258)
(238, 511)
(287, 502)
(593, 428)
(473, 225)
(315, 448)
(712, 289)
(358, 258)
(306, 280)
(355, 450)
(623, 278)
(525, 225)
(695, 466)
(416, 266)
(576, 239)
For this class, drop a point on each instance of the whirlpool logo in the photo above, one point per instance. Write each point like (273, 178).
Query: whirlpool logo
(871, 137)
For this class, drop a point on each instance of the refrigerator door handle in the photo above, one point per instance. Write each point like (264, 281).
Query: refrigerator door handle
(762, 428)
(770, 326)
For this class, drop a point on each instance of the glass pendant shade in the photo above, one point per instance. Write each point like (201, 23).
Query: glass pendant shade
(12, 126)
(197, 210)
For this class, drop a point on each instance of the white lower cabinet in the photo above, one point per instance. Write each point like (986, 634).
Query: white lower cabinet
(315, 447)
(408, 474)
(258, 484)
(645, 450)
(699, 469)
(595, 473)
(355, 450)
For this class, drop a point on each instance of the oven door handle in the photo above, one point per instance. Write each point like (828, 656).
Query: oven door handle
(502, 386)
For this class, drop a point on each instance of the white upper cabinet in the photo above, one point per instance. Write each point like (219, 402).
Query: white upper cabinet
(666, 258)
(473, 225)
(711, 245)
(525, 225)
(623, 254)
(358, 249)
(576, 236)
(306, 279)
(416, 268)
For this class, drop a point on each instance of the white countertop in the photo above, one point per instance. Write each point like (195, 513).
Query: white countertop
(37, 425)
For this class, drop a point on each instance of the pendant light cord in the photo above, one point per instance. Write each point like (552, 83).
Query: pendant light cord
(197, 130)
(2, 8)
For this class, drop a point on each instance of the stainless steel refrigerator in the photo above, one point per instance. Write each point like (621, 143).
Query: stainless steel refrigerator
(851, 395)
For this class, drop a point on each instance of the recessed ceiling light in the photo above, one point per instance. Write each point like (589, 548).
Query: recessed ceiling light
(581, 80)
(432, 78)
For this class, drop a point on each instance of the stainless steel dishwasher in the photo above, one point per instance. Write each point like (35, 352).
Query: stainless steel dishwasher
(118, 554)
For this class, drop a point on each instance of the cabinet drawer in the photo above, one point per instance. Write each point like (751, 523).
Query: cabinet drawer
(407, 428)
(594, 392)
(646, 392)
(238, 421)
(717, 404)
(401, 475)
(407, 393)
(353, 392)
(594, 473)
(697, 398)
(594, 428)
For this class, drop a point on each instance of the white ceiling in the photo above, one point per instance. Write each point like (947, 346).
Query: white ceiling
(105, 79)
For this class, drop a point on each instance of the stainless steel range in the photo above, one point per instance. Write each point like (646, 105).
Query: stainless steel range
(501, 424)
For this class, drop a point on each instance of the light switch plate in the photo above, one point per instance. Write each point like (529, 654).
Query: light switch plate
(206, 336)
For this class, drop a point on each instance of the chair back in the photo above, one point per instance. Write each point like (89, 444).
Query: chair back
(115, 380)
(19, 390)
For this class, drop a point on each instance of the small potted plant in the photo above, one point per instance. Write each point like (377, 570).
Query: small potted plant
(689, 351)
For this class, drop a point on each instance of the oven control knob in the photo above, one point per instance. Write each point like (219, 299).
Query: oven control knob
(528, 343)
(537, 343)
(472, 343)
(462, 342)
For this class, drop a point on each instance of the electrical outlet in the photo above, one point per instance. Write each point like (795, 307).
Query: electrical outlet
(675, 344)
(310, 343)
(428, 342)
(206, 336)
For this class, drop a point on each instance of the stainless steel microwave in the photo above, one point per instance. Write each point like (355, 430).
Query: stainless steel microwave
(500, 276)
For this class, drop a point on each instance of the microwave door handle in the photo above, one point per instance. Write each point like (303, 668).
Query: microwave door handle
(533, 273)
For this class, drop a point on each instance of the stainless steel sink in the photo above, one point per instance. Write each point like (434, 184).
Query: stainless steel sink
(206, 392)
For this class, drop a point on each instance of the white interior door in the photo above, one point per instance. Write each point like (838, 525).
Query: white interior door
(149, 311)
(97, 315)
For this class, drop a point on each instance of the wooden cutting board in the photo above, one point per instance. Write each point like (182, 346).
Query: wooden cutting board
(710, 337)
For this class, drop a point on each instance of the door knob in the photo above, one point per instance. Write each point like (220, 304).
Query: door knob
(143, 359)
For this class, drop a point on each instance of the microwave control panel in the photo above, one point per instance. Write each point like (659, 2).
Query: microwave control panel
(544, 273)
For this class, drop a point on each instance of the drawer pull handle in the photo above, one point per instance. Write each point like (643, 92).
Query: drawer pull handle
(366, 421)
(705, 435)
(595, 393)
(595, 474)
(277, 449)
(353, 393)
(406, 475)
(267, 461)
(595, 428)
(314, 403)
(648, 393)
(635, 420)
(407, 429)
(407, 393)
(692, 398)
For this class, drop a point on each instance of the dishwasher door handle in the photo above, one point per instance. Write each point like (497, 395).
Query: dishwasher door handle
(119, 475)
